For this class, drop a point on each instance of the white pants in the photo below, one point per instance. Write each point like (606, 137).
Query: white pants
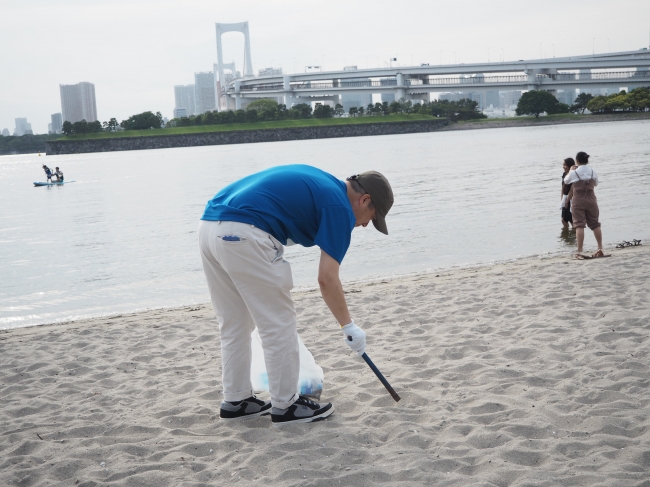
(250, 284)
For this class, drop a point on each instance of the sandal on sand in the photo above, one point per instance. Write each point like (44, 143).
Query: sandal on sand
(582, 257)
(636, 242)
(599, 253)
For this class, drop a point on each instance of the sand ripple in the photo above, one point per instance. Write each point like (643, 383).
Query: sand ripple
(530, 373)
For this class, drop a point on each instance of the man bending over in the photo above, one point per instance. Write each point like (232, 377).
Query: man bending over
(242, 235)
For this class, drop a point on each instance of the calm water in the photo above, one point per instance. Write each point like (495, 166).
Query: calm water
(123, 237)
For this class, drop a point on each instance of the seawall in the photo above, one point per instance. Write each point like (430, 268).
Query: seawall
(81, 146)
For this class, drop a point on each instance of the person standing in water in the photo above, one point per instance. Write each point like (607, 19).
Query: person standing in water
(565, 206)
(584, 204)
(48, 173)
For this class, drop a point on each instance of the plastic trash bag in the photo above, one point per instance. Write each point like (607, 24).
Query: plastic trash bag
(310, 379)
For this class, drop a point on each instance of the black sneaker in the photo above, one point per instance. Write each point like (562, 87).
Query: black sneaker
(248, 408)
(302, 411)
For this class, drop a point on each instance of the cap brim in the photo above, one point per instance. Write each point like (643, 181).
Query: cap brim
(380, 224)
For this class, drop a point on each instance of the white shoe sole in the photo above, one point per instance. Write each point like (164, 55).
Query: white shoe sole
(248, 416)
(310, 419)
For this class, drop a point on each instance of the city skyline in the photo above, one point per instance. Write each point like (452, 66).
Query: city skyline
(136, 69)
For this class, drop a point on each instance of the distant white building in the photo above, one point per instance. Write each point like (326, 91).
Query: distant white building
(180, 112)
(78, 102)
(5, 133)
(56, 127)
(22, 127)
(184, 99)
(270, 72)
(205, 92)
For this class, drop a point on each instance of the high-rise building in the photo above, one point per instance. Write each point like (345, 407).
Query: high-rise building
(22, 127)
(184, 98)
(492, 99)
(78, 102)
(510, 99)
(180, 112)
(57, 123)
(204, 92)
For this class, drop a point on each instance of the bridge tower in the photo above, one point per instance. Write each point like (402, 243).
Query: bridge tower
(248, 66)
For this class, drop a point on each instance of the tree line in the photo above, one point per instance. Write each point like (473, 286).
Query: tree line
(141, 121)
(637, 100)
(267, 110)
(533, 102)
(536, 102)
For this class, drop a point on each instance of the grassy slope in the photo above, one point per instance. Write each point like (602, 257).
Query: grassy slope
(312, 122)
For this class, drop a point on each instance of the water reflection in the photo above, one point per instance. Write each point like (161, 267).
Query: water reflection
(568, 237)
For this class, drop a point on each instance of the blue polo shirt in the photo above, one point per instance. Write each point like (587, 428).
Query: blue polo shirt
(296, 202)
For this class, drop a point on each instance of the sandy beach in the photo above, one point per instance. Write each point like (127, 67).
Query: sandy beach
(534, 372)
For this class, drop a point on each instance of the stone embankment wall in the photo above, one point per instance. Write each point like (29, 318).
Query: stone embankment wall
(241, 137)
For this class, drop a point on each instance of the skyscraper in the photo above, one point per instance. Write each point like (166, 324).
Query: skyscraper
(204, 92)
(57, 123)
(78, 102)
(184, 98)
(22, 127)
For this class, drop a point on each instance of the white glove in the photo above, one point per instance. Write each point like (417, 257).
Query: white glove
(355, 338)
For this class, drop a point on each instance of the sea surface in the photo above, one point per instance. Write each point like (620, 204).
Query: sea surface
(122, 237)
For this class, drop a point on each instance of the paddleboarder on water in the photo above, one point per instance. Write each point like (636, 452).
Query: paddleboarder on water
(48, 173)
(59, 175)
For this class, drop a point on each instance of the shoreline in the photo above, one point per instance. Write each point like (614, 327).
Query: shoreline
(496, 123)
(369, 128)
(244, 136)
(299, 290)
(505, 372)
(453, 270)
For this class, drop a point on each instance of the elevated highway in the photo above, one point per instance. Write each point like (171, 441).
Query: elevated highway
(623, 69)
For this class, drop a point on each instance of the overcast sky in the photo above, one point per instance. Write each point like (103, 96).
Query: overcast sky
(135, 51)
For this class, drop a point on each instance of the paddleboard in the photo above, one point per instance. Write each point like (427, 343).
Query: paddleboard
(51, 184)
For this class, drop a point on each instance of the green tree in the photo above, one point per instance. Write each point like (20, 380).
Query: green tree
(597, 104)
(395, 107)
(142, 121)
(80, 127)
(338, 110)
(559, 108)
(210, 118)
(580, 103)
(535, 102)
(251, 116)
(266, 108)
(113, 125)
(283, 113)
(66, 128)
(301, 111)
(639, 99)
(353, 111)
(384, 108)
(262, 105)
(323, 111)
(240, 116)
(95, 127)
